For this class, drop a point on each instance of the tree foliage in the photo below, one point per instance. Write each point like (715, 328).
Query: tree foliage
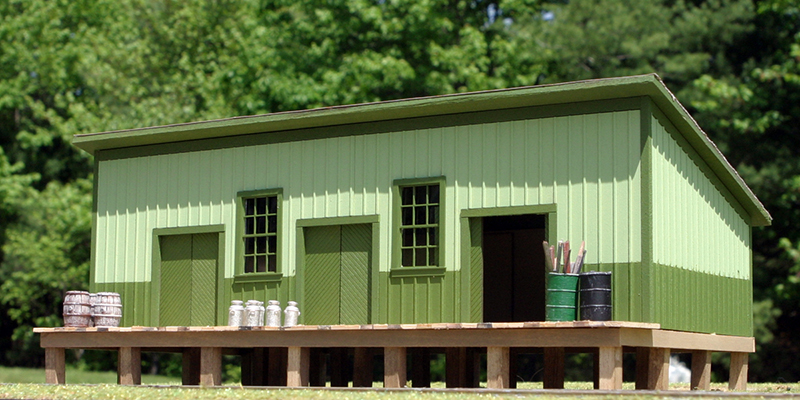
(82, 66)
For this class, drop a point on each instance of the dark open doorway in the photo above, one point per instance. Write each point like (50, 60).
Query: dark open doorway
(513, 268)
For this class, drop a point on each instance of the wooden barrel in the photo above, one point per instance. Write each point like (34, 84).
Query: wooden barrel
(77, 309)
(107, 310)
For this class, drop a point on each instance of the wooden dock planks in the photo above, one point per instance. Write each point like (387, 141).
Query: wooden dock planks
(290, 349)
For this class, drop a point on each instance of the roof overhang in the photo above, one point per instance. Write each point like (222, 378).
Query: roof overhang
(591, 90)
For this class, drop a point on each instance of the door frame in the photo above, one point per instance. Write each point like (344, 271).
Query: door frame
(155, 271)
(471, 216)
(300, 254)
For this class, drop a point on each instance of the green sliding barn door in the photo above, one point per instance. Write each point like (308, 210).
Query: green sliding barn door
(189, 270)
(337, 274)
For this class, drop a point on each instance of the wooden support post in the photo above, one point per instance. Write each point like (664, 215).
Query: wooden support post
(738, 372)
(460, 367)
(276, 371)
(474, 366)
(247, 367)
(701, 370)
(513, 360)
(497, 360)
(610, 368)
(455, 367)
(297, 366)
(362, 367)
(129, 366)
(261, 366)
(553, 368)
(658, 369)
(339, 367)
(317, 367)
(421, 367)
(394, 367)
(190, 371)
(255, 366)
(596, 368)
(652, 368)
(54, 365)
(210, 366)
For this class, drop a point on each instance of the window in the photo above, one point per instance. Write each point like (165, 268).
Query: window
(259, 232)
(420, 208)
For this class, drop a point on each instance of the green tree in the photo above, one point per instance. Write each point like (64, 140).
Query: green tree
(754, 117)
(46, 253)
(679, 40)
(82, 66)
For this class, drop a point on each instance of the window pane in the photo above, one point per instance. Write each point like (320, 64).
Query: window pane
(433, 214)
(249, 226)
(421, 234)
(421, 257)
(261, 263)
(433, 193)
(248, 264)
(420, 215)
(408, 257)
(421, 195)
(408, 237)
(407, 216)
(249, 206)
(261, 205)
(433, 256)
(433, 236)
(261, 224)
(260, 229)
(408, 196)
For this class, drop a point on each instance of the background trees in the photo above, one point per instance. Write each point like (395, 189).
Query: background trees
(78, 66)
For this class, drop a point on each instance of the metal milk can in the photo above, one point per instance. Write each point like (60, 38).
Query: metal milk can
(261, 313)
(292, 312)
(274, 313)
(235, 313)
(252, 313)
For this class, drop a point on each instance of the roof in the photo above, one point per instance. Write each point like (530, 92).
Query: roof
(591, 90)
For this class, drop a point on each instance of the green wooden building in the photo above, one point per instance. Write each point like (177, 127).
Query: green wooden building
(427, 210)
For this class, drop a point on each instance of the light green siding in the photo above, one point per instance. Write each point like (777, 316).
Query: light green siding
(593, 177)
(694, 226)
(700, 278)
(616, 163)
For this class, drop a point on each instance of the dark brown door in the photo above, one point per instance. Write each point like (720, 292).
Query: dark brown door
(513, 268)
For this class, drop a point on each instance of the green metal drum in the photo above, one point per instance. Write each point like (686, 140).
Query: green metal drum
(562, 297)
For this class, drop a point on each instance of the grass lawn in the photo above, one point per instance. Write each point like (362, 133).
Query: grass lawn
(23, 383)
(39, 391)
(74, 376)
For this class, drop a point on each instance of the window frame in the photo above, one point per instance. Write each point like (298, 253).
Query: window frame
(397, 269)
(240, 276)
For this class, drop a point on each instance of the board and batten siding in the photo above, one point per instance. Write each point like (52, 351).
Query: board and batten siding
(592, 175)
(701, 277)
(588, 165)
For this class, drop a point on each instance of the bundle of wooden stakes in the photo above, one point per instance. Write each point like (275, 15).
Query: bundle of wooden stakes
(553, 258)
